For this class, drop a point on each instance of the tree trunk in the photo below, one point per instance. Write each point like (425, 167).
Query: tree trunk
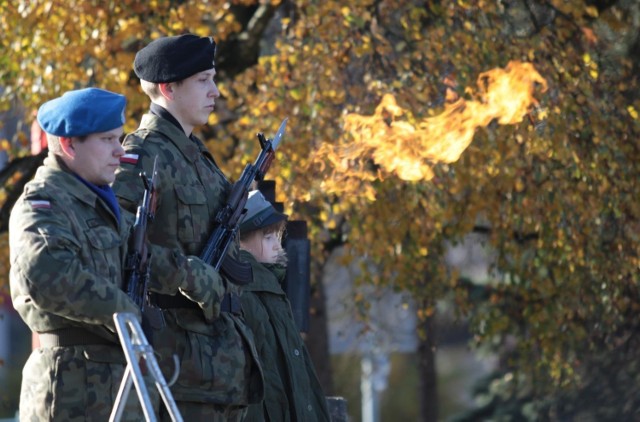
(428, 394)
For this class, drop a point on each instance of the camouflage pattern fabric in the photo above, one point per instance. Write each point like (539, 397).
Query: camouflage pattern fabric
(293, 392)
(218, 361)
(75, 384)
(66, 251)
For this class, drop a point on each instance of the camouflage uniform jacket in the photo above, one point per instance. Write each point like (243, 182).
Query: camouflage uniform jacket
(219, 363)
(293, 392)
(66, 249)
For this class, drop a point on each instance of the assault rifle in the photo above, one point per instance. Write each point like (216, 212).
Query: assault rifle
(137, 264)
(227, 220)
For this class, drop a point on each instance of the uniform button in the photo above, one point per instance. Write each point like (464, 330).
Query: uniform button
(296, 352)
(309, 408)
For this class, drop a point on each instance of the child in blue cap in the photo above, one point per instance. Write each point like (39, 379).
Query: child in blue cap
(66, 238)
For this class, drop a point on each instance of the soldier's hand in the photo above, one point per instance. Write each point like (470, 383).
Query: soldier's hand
(204, 286)
(189, 275)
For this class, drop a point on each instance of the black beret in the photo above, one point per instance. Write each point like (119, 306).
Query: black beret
(171, 59)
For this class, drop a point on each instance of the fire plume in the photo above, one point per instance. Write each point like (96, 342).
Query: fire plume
(409, 150)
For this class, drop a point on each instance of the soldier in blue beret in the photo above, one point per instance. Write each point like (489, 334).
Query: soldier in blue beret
(220, 374)
(66, 238)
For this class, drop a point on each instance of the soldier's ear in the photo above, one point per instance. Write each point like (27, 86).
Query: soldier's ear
(66, 144)
(166, 89)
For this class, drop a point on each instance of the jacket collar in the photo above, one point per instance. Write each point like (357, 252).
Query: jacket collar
(264, 279)
(59, 174)
(190, 146)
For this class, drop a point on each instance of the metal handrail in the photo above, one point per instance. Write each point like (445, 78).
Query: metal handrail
(135, 346)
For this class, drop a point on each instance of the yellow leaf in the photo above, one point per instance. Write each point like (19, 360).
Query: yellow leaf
(543, 113)
(295, 94)
(592, 11)
(633, 112)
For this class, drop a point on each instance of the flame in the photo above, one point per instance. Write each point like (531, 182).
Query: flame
(410, 150)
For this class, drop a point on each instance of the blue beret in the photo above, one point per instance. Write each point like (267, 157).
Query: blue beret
(82, 112)
(171, 59)
(260, 213)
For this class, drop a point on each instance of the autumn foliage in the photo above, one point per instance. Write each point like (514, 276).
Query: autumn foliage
(555, 191)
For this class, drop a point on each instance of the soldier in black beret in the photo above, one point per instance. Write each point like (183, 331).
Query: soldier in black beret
(220, 374)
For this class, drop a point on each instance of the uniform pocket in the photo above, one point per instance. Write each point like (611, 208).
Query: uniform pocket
(192, 213)
(105, 250)
(213, 363)
(103, 372)
(84, 381)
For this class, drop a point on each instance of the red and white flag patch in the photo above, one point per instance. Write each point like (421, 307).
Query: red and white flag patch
(40, 203)
(129, 158)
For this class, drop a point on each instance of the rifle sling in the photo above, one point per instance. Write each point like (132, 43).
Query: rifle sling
(238, 272)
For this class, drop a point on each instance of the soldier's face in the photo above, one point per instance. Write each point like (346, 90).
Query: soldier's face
(98, 156)
(195, 98)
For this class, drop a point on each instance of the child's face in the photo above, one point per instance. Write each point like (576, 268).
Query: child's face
(265, 247)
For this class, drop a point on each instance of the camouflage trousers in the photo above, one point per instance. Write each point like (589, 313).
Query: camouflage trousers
(196, 412)
(77, 383)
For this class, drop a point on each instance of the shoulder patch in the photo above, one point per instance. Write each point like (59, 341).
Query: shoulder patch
(130, 158)
(39, 203)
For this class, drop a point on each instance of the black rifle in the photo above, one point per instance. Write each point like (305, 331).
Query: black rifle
(227, 220)
(137, 264)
